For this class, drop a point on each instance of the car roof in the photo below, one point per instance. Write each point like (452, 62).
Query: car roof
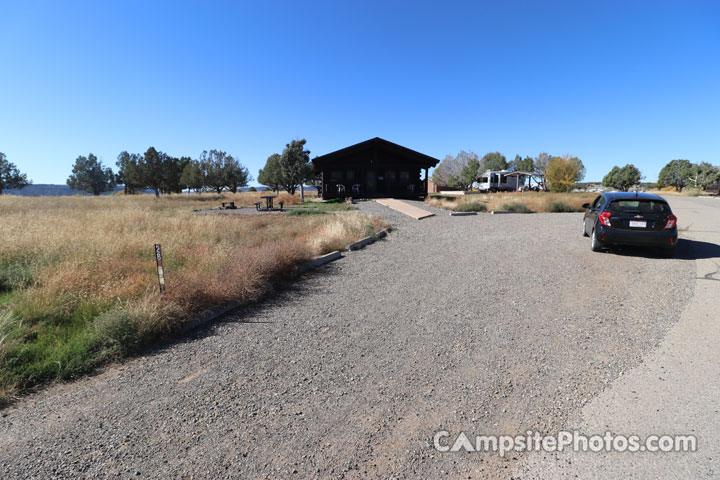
(632, 196)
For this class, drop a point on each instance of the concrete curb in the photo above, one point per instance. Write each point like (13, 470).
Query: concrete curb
(321, 260)
(462, 214)
(368, 240)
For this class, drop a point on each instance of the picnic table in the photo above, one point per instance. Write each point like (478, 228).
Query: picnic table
(268, 204)
(269, 201)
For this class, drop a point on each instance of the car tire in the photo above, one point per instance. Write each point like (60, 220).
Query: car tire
(583, 228)
(594, 243)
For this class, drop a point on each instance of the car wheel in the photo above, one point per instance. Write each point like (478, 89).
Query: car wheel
(594, 243)
(583, 228)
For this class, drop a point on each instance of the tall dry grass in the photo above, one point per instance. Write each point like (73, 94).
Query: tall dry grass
(78, 283)
(538, 202)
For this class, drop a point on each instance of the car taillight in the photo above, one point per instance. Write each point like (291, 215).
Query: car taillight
(671, 222)
(604, 218)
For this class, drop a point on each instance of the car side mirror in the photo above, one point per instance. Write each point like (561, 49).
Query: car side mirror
(585, 205)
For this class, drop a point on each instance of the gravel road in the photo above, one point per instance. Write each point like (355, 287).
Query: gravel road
(489, 324)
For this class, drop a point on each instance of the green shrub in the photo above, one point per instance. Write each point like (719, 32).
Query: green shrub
(516, 207)
(252, 189)
(560, 207)
(471, 207)
(116, 335)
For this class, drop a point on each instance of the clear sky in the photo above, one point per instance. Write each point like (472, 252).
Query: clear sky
(612, 82)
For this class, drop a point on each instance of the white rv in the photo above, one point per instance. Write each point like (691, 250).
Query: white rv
(500, 181)
(508, 181)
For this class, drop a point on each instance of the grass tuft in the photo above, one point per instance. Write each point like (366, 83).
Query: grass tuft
(471, 207)
(559, 206)
(516, 207)
(534, 201)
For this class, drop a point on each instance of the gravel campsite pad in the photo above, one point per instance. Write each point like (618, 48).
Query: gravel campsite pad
(489, 324)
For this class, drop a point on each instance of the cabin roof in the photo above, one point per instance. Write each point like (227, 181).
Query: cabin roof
(378, 145)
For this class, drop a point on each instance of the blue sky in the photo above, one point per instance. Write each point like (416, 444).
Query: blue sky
(611, 82)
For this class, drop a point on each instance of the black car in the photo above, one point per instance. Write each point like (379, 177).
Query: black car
(622, 218)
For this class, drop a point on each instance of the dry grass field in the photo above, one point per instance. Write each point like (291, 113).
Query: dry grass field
(78, 282)
(535, 202)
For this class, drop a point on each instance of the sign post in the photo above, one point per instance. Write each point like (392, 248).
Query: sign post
(161, 272)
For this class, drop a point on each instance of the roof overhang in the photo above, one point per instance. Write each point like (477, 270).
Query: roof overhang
(378, 145)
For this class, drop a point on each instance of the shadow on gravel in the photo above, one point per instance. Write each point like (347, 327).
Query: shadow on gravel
(284, 291)
(686, 250)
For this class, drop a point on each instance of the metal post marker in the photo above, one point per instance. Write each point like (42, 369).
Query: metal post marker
(161, 272)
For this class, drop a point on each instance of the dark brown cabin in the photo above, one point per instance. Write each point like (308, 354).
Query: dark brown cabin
(374, 168)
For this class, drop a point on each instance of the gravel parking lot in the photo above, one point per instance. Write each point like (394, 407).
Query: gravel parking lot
(490, 324)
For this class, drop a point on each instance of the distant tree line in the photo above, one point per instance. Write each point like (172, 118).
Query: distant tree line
(215, 170)
(678, 174)
(464, 169)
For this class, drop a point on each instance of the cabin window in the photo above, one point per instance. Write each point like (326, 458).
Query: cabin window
(336, 175)
(483, 179)
(350, 174)
(503, 179)
(404, 176)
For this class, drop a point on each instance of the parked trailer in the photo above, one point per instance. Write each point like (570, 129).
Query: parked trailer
(507, 181)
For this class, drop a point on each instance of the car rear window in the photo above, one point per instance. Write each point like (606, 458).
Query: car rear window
(639, 206)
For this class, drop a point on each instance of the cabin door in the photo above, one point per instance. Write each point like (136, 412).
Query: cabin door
(371, 183)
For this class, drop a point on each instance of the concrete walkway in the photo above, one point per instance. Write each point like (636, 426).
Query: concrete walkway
(406, 208)
(675, 391)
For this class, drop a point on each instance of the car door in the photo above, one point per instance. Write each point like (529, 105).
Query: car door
(591, 215)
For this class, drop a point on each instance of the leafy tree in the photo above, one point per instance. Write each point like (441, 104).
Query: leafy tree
(89, 175)
(458, 172)
(542, 161)
(470, 172)
(448, 172)
(129, 173)
(563, 172)
(236, 175)
(520, 164)
(152, 167)
(622, 178)
(10, 176)
(172, 169)
(494, 161)
(704, 174)
(193, 176)
(675, 174)
(295, 165)
(526, 165)
(271, 175)
(213, 163)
